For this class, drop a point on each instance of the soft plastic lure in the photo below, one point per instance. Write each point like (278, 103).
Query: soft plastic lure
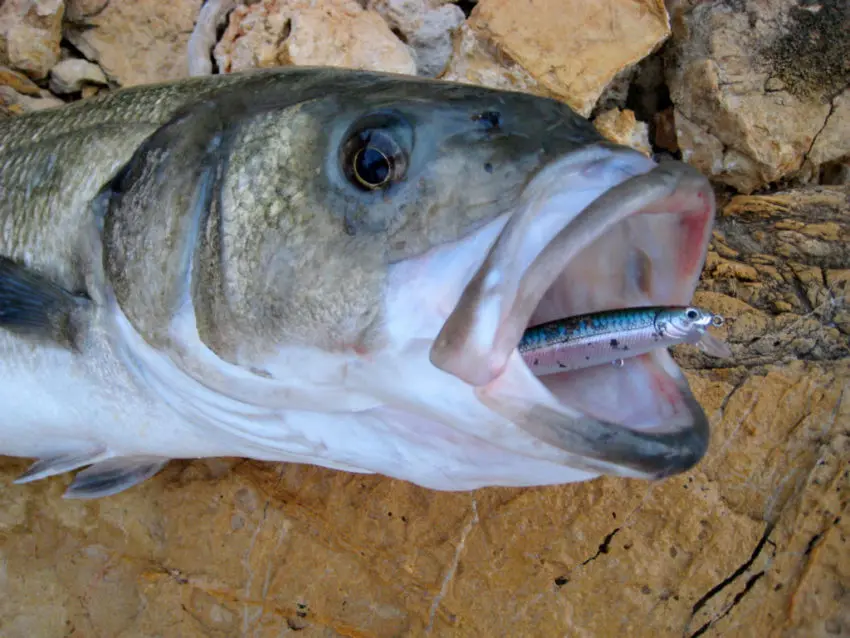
(610, 337)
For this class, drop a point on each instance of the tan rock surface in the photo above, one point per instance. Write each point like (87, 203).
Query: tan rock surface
(751, 542)
(13, 102)
(73, 74)
(622, 127)
(30, 31)
(138, 42)
(757, 87)
(303, 32)
(573, 48)
(476, 60)
(426, 26)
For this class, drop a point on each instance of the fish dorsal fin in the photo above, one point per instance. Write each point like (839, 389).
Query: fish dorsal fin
(32, 304)
(51, 466)
(113, 476)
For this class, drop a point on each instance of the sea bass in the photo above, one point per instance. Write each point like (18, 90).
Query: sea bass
(335, 267)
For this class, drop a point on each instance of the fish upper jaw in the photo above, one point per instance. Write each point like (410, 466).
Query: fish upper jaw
(599, 229)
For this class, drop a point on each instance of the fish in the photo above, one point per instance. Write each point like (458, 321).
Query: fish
(335, 267)
(584, 341)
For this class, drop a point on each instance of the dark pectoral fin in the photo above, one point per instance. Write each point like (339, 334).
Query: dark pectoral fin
(32, 304)
(113, 476)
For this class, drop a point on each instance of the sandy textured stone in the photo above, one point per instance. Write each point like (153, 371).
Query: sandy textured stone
(622, 127)
(426, 26)
(30, 31)
(572, 47)
(477, 61)
(753, 541)
(19, 82)
(13, 102)
(70, 75)
(79, 10)
(304, 32)
(757, 87)
(833, 140)
(138, 42)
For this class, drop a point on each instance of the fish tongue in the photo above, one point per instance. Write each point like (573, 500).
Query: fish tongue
(640, 419)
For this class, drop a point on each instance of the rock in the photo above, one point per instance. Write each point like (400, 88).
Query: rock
(20, 83)
(573, 48)
(759, 87)
(14, 103)
(665, 130)
(69, 76)
(615, 95)
(477, 61)
(307, 32)
(832, 142)
(622, 127)
(265, 549)
(79, 10)
(425, 26)
(836, 173)
(138, 42)
(30, 31)
(89, 90)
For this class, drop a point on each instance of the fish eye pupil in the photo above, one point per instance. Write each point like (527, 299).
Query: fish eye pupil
(371, 167)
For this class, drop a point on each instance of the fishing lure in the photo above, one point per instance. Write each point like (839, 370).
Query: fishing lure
(612, 336)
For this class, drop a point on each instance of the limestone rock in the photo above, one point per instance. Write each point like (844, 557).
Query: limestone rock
(72, 74)
(424, 25)
(665, 130)
(79, 10)
(622, 127)
(138, 42)
(30, 31)
(247, 548)
(477, 61)
(305, 32)
(573, 48)
(833, 141)
(14, 103)
(17, 81)
(757, 86)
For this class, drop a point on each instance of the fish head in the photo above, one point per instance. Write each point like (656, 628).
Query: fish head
(355, 243)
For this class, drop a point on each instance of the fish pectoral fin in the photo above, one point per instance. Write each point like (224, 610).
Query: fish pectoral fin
(32, 304)
(113, 476)
(44, 468)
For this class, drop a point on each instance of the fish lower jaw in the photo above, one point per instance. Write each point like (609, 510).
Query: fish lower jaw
(641, 242)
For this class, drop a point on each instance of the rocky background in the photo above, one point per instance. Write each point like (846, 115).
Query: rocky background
(752, 542)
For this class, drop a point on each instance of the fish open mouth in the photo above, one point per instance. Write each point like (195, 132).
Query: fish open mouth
(600, 229)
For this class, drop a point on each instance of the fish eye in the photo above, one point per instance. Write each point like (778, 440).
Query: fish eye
(372, 160)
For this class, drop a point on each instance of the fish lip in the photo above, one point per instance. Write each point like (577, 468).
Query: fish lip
(616, 447)
(606, 447)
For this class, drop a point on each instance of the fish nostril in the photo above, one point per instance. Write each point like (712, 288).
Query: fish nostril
(491, 120)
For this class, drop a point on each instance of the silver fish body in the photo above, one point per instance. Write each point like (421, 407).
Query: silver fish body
(585, 341)
(334, 267)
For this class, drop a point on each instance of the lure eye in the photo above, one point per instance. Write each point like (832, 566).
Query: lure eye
(692, 314)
